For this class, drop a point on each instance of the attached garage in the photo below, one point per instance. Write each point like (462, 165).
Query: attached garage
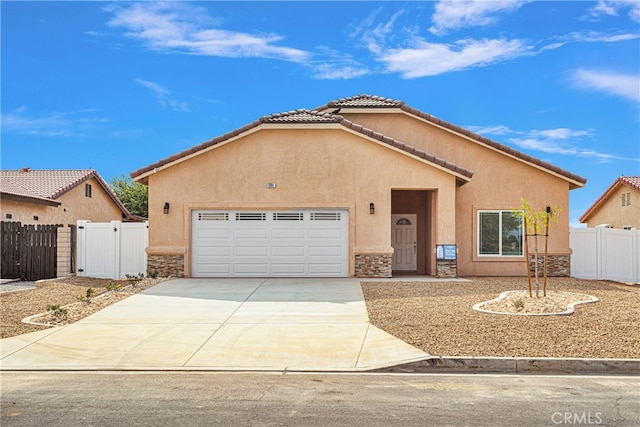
(295, 243)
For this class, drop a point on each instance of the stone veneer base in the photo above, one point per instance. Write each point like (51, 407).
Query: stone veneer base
(373, 265)
(557, 265)
(165, 265)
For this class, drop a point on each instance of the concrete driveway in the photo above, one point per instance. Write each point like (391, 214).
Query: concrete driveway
(220, 324)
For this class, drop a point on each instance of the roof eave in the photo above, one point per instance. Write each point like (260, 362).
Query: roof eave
(29, 199)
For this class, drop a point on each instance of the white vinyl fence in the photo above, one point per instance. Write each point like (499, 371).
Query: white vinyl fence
(112, 250)
(605, 254)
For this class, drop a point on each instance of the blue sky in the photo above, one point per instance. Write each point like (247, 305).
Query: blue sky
(115, 86)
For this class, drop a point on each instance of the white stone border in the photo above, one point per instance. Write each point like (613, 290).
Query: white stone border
(570, 307)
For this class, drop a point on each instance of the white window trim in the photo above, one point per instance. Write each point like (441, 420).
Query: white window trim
(478, 243)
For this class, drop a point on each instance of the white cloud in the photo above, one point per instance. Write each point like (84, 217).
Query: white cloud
(595, 36)
(615, 7)
(429, 59)
(64, 124)
(163, 95)
(610, 82)
(184, 28)
(560, 141)
(454, 14)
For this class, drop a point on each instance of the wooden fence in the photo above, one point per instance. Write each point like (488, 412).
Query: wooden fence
(28, 251)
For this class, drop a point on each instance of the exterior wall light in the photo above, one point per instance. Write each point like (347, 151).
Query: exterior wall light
(166, 208)
(372, 208)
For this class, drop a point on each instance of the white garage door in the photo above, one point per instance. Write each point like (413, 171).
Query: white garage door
(301, 243)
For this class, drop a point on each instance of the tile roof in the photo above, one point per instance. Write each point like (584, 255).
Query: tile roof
(371, 101)
(48, 185)
(304, 116)
(631, 181)
(365, 101)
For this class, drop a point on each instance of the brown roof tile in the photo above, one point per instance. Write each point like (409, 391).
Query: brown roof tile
(631, 181)
(370, 101)
(304, 116)
(50, 184)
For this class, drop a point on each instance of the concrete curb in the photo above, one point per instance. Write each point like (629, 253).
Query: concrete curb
(518, 365)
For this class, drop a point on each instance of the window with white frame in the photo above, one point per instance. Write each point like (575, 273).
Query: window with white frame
(499, 233)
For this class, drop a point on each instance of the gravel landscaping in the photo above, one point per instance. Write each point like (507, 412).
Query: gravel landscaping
(436, 317)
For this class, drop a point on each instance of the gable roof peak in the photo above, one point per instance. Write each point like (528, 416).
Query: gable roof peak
(365, 101)
(302, 115)
(50, 184)
(632, 181)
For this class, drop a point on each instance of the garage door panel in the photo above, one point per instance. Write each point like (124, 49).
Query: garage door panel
(215, 269)
(325, 251)
(325, 234)
(215, 233)
(214, 251)
(250, 233)
(288, 269)
(270, 243)
(251, 268)
(288, 251)
(250, 251)
(299, 233)
(323, 268)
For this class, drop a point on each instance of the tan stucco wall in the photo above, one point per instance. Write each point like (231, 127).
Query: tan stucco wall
(612, 212)
(331, 168)
(75, 205)
(499, 182)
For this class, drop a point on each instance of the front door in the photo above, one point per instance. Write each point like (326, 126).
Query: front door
(404, 242)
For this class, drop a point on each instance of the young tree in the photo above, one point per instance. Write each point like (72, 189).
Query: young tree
(134, 196)
(534, 225)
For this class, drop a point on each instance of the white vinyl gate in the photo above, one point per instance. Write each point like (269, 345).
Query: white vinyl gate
(112, 250)
(312, 243)
(605, 254)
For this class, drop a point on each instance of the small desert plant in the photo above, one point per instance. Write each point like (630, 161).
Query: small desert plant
(153, 274)
(114, 287)
(87, 297)
(133, 279)
(518, 303)
(57, 311)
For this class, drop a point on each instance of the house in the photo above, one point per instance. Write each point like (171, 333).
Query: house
(58, 197)
(363, 186)
(618, 206)
(52, 197)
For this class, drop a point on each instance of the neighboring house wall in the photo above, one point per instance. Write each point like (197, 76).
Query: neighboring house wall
(75, 205)
(499, 182)
(617, 213)
(330, 168)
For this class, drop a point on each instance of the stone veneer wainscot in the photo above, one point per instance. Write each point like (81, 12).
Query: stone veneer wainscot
(373, 265)
(166, 265)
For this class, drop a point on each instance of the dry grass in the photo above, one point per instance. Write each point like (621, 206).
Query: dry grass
(437, 317)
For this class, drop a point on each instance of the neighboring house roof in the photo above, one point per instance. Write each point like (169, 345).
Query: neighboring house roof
(307, 117)
(631, 181)
(364, 101)
(45, 186)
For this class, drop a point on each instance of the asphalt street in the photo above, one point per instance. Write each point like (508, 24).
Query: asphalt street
(266, 399)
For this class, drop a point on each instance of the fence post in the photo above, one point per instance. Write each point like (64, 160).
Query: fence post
(81, 246)
(635, 251)
(117, 227)
(599, 252)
